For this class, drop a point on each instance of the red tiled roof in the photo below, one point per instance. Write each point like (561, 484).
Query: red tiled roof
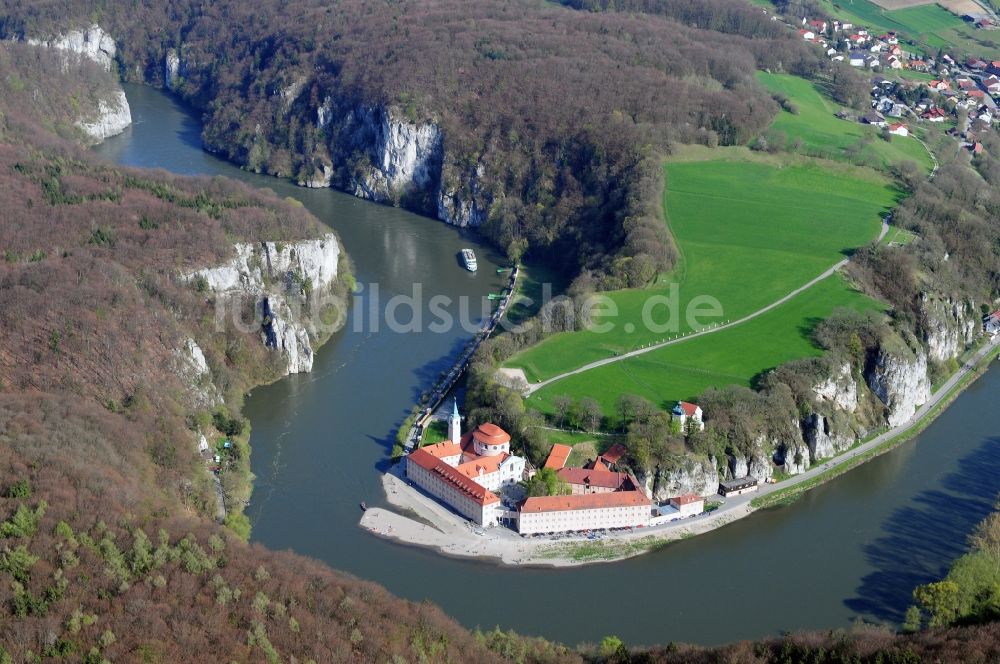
(584, 502)
(600, 478)
(490, 434)
(486, 464)
(686, 499)
(441, 450)
(448, 474)
(558, 456)
(689, 408)
(614, 453)
(597, 464)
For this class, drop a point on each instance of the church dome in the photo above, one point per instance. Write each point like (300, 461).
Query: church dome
(490, 434)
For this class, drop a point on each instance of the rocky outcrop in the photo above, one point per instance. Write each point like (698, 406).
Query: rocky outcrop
(689, 475)
(462, 201)
(112, 114)
(823, 438)
(897, 375)
(403, 156)
(794, 457)
(758, 465)
(172, 70)
(92, 43)
(839, 390)
(280, 277)
(949, 327)
(192, 367)
(111, 117)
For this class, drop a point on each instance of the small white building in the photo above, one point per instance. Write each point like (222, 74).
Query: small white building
(686, 412)
(899, 129)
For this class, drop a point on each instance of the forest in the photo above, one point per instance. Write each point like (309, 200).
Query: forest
(552, 118)
(106, 549)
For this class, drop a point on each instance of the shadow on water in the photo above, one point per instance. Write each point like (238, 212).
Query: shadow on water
(922, 538)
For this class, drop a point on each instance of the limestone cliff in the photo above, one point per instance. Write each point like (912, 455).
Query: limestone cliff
(897, 375)
(403, 156)
(92, 43)
(825, 436)
(110, 118)
(107, 112)
(687, 475)
(282, 279)
(949, 327)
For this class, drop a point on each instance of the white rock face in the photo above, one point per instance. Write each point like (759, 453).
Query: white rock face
(92, 43)
(822, 441)
(900, 381)
(840, 389)
(462, 210)
(192, 367)
(324, 114)
(758, 465)
(691, 476)
(949, 328)
(171, 69)
(111, 117)
(281, 333)
(404, 155)
(272, 273)
(793, 457)
(322, 177)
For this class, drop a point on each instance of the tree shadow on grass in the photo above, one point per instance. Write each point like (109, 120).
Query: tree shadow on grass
(922, 539)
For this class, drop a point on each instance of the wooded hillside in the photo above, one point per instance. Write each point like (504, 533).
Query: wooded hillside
(550, 116)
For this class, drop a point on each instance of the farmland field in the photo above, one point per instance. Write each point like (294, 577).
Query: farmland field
(731, 356)
(749, 228)
(928, 26)
(824, 134)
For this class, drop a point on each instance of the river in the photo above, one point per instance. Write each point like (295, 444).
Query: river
(852, 548)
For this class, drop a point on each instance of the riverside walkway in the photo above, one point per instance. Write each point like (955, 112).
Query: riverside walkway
(432, 399)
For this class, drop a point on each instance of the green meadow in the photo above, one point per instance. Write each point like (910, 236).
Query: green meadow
(750, 229)
(823, 134)
(729, 357)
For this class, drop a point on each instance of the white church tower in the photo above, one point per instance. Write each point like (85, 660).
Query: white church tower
(455, 424)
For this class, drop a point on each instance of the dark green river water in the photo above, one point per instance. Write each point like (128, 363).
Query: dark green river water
(854, 547)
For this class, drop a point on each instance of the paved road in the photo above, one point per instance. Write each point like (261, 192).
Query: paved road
(739, 506)
(639, 351)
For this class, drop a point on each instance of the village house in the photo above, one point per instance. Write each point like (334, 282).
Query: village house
(738, 486)
(584, 481)
(689, 504)
(991, 323)
(856, 59)
(873, 118)
(992, 84)
(938, 85)
(899, 129)
(934, 115)
(808, 35)
(686, 412)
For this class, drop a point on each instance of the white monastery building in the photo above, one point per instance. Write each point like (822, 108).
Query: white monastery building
(465, 471)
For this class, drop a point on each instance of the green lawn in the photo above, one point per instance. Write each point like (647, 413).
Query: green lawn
(732, 356)
(750, 229)
(823, 134)
(898, 236)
